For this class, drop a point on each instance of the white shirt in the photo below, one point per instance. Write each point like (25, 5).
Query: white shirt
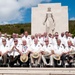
(11, 41)
(54, 42)
(68, 39)
(4, 49)
(19, 41)
(28, 39)
(63, 41)
(47, 48)
(74, 41)
(41, 41)
(25, 49)
(0, 41)
(36, 48)
(15, 52)
(31, 42)
(70, 48)
(50, 40)
(58, 49)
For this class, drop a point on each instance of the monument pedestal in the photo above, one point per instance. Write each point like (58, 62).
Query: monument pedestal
(60, 15)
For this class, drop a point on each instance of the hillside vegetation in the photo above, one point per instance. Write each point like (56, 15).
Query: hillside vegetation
(72, 27)
(20, 28)
(16, 28)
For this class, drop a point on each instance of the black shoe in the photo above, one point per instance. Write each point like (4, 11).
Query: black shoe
(32, 65)
(5, 65)
(38, 65)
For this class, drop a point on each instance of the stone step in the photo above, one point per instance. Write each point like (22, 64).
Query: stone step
(37, 71)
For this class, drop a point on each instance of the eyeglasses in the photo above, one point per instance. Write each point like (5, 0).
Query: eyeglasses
(15, 41)
(3, 41)
(56, 35)
(46, 41)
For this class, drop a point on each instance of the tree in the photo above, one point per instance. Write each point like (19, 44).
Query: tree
(21, 30)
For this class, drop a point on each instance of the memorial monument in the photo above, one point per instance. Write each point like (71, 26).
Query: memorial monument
(49, 21)
(50, 18)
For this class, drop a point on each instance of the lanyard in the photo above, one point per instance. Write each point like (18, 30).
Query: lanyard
(24, 48)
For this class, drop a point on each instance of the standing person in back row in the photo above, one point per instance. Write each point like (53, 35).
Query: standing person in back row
(49, 22)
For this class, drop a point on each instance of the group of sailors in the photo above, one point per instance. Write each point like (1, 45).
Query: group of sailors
(39, 49)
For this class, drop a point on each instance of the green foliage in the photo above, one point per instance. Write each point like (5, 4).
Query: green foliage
(0, 29)
(20, 28)
(72, 27)
(16, 28)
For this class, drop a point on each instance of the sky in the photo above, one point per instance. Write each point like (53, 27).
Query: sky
(19, 11)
